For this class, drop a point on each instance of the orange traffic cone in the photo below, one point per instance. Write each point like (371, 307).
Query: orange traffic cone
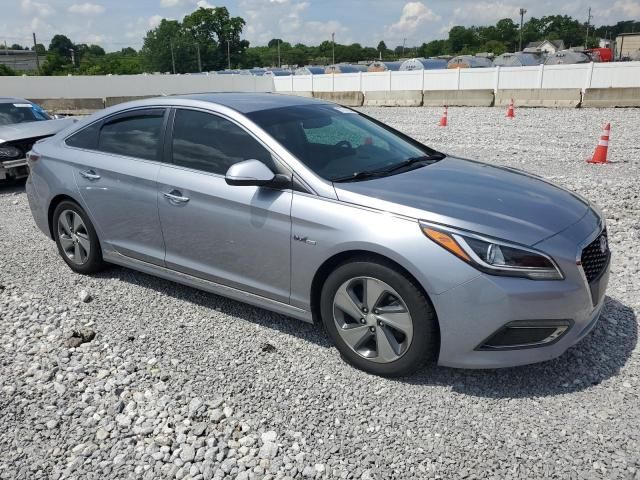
(511, 113)
(444, 119)
(600, 155)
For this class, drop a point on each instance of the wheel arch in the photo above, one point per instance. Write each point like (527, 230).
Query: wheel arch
(346, 256)
(55, 201)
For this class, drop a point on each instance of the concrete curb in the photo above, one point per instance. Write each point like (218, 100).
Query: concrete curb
(552, 97)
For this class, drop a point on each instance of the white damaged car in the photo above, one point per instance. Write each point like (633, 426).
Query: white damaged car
(22, 123)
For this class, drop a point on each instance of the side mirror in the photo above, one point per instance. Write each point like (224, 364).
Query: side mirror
(249, 173)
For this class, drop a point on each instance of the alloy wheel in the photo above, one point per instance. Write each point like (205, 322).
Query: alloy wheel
(74, 237)
(372, 319)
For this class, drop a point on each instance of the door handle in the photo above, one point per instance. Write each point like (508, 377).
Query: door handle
(175, 196)
(90, 175)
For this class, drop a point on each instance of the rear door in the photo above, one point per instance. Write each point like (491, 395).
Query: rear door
(239, 236)
(117, 174)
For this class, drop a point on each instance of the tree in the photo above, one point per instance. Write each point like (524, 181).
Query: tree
(433, 48)
(61, 45)
(16, 46)
(507, 32)
(382, 47)
(274, 42)
(40, 48)
(461, 38)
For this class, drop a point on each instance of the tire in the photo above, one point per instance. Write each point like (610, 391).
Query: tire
(398, 295)
(84, 237)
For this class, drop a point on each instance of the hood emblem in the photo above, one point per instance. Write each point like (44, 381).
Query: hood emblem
(604, 244)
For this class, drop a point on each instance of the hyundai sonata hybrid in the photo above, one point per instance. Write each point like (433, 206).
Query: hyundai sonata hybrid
(321, 213)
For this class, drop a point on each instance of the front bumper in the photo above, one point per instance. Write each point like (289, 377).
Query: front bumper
(14, 168)
(471, 313)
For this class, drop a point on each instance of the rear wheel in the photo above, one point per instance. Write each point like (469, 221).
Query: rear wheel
(76, 238)
(378, 318)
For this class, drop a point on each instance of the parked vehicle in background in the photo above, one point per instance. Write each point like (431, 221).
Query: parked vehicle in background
(22, 123)
(469, 61)
(379, 66)
(423, 64)
(345, 68)
(319, 212)
(518, 59)
(567, 57)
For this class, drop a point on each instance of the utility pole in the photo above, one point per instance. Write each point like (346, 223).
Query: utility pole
(35, 49)
(586, 40)
(523, 11)
(73, 56)
(173, 57)
(279, 64)
(199, 61)
(333, 48)
(229, 53)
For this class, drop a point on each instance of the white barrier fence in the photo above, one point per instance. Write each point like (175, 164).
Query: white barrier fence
(582, 76)
(129, 85)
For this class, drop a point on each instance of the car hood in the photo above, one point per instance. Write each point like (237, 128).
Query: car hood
(495, 201)
(43, 128)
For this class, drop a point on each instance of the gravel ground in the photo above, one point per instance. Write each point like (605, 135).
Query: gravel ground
(123, 375)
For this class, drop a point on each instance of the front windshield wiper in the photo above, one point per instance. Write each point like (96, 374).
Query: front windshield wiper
(413, 161)
(355, 176)
(387, 171)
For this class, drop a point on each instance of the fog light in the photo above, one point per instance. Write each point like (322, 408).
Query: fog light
(526, 334)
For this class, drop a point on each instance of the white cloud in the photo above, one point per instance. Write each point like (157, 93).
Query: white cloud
(287, 19)
(630, 8)
(484, 13)
(33, 7)
(204, 4)
(170, 3)
(414, 15)
(86, 8)
(155, 20)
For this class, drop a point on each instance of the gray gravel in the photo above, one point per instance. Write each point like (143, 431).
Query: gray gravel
(123, 375)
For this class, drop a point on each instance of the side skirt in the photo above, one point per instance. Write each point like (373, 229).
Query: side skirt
(208, 286)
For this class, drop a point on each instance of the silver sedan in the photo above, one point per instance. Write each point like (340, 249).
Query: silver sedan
(316, 211)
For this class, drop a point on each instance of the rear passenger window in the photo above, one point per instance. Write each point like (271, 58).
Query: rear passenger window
(206, 142)
(134, 134)
(86, 138)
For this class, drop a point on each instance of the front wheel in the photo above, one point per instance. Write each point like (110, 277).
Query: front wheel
(378, 318)
(76, 238)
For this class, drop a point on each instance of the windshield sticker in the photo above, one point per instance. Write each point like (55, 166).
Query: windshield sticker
(22, 105)
(344, 110)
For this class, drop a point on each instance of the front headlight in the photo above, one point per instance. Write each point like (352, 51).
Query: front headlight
(10, 153)
(495, 257)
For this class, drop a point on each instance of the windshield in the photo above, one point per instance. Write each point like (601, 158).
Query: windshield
(11, 113)
(339, 144)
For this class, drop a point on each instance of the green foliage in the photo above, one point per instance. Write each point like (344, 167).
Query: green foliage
(212, 31)
(6, 71)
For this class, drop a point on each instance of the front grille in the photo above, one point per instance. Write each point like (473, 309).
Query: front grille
(594, 259)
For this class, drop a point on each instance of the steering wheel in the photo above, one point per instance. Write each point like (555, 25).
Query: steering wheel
(344, 144)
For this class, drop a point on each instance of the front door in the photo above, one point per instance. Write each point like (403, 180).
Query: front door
(117, 169)
(237, 236)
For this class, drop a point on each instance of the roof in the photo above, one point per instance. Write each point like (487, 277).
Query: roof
(252, 102)
(559, 44)
(13, 100)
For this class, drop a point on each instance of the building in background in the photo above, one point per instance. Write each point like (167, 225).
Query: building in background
(547, 46)
(628, 46)
(21, 60)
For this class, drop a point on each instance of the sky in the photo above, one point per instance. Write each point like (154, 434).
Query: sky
(115, 24)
